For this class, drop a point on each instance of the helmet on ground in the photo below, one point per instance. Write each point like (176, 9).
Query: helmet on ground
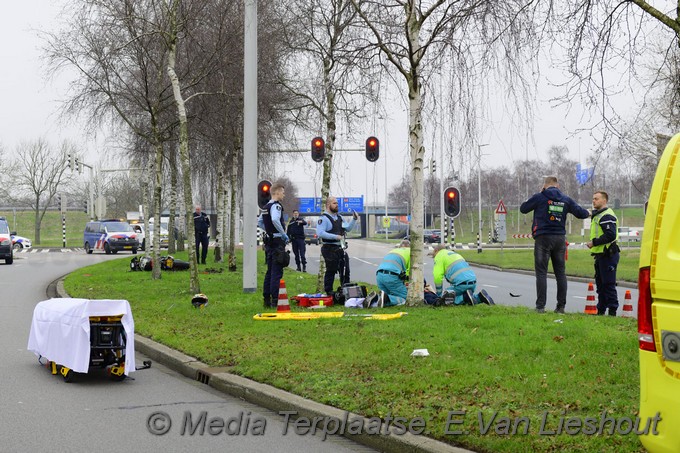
(199, 300)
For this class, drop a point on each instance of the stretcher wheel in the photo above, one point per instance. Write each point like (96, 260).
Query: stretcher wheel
(67, 373)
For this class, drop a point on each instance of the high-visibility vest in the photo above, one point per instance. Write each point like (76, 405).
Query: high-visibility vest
(596, 230)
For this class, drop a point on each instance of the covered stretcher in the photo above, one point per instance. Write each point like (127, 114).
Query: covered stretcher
(75, 335)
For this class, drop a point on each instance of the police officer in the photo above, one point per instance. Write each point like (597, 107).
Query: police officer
(296, 233)
(550, 207)
(392, 274)
(201, 232)
(271, 217)
(331, 230)
(604, 233)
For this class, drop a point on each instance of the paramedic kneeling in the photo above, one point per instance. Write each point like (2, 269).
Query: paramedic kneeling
(450, 266)
(392, 274)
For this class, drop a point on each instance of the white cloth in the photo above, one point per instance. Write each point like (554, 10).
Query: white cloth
(355, 302)
(60, 330)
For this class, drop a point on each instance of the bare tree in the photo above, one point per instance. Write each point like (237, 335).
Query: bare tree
(414, 36)
(40, 170)
(327, 78)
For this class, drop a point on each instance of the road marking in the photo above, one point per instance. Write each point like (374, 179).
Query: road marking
(490, 286)
(365, 262)
(46, 251)
(579, 297)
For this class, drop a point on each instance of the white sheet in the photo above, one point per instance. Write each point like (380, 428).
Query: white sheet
(60, 330)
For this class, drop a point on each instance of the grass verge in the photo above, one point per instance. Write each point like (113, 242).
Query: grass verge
(484, 361)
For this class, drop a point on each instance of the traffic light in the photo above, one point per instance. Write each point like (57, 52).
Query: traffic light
(433, 166)
(70, 161)
(85, 210)
(59, 201)
(263, 193)
(318, 149)
(372, 149)
(452, 202)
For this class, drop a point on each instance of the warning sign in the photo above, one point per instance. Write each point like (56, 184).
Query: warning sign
(501, 208)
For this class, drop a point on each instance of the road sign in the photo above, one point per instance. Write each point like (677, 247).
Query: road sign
(386, 222)
(501, 208)
(501, 231)
(345, 204)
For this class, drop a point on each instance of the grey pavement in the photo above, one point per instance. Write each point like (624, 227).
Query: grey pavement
(277, 400)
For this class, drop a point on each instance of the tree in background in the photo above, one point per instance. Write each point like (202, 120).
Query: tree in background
(39, 171)
(415, 38)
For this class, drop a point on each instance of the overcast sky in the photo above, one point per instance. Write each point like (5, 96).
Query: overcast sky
(30, 103)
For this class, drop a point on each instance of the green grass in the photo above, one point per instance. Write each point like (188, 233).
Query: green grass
(483, 360)
(51, 228)
(579, 262)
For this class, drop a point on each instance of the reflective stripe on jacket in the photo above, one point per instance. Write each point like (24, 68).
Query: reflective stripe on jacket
(596, 229)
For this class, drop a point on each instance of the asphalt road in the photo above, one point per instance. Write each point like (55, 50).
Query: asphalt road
(365, 256)
(41, 412)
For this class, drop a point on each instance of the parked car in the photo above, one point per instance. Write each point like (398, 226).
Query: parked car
(628, 234)
(19, 242)
(141, 234)
(659, 307)
(431, 236)
(311, 237)
(6, 250)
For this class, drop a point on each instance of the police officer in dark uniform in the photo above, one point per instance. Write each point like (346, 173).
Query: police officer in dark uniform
(271, 217)
(331, 230)
(201, 232)
(604, 233)
(296, 233)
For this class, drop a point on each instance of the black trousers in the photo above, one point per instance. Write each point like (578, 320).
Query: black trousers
(274, 274)
(334, 257)
(202, 239)
(299, 250)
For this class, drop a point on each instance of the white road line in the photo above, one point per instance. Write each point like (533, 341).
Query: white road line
(365, 262)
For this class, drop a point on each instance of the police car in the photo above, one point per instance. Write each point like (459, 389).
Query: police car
(6, 250)
(110, 236)
(659, 306)
(20, 243)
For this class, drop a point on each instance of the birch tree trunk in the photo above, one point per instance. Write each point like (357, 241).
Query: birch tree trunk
(328, 158)
(183, 150)
(157, 193)
(233, 211)
(219, 227)
(172, 246)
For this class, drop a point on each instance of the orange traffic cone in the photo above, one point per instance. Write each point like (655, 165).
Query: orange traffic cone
(282, 305)
(591, 306)
(627, 306)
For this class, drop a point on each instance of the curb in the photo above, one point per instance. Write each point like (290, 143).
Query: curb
(279, 400)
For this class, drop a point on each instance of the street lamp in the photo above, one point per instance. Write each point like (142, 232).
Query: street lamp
(479, 197)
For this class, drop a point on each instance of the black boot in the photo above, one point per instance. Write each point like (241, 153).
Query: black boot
(267, 301)
(298, 268)
(304, 268)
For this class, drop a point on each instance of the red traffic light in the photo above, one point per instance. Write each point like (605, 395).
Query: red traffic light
(263, 193)
(372, 149)
(318, 149)
(452, 202)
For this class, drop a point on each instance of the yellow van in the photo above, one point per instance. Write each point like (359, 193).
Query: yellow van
(659, 306)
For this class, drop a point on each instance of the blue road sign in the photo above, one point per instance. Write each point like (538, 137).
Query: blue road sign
(311, 204)
(583, 175)
(345, 204)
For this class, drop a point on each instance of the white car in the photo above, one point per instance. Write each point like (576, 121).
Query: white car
(20, 243)
(630, 234)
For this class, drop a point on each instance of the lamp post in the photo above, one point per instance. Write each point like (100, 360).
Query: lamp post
(479, 197)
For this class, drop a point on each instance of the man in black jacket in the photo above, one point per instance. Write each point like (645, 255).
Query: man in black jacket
(550, 208)
(201, 232)
(296, 233)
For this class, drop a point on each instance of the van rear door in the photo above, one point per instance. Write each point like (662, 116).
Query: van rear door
(659, 304)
